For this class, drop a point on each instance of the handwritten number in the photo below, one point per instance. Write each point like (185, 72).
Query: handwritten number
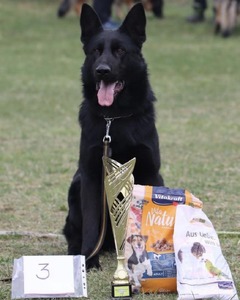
(45, 272)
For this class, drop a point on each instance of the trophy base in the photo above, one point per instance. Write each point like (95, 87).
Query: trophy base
(121, 291)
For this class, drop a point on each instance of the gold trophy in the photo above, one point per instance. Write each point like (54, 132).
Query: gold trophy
(119, 185)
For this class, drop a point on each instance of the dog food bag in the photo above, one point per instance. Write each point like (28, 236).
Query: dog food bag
(202, 271)
(149, 250)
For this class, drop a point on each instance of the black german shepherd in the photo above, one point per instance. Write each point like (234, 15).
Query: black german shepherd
(116, 86)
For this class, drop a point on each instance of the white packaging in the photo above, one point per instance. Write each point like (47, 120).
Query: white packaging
(202, 271)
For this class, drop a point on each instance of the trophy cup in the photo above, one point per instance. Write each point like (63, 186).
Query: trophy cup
(119, 185)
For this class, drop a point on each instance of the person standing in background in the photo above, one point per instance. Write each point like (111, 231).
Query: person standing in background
(104, 10)
(199, 7)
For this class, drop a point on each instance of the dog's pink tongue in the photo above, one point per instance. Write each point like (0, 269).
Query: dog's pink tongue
(106, 94)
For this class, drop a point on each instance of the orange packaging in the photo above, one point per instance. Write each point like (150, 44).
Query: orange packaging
(149, 251)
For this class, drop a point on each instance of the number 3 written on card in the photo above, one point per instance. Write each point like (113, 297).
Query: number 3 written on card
(45, 273)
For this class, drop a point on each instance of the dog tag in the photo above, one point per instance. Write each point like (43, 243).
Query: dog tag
(49, 276)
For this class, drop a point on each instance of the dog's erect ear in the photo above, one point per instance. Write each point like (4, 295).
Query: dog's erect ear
(129, 239)
(145, 238)
(134, 24)
(89, 23)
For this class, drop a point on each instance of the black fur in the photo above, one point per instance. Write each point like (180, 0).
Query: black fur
(111, 56)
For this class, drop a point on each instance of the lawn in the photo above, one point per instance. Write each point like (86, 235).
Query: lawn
(195, 76)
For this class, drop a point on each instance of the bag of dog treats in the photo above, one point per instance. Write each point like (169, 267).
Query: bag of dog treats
(202, 271)
(149, 250)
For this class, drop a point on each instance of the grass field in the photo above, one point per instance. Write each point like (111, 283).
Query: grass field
(195, 76)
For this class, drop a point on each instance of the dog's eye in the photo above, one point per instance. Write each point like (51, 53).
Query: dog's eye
(120, 51)
(96, 51)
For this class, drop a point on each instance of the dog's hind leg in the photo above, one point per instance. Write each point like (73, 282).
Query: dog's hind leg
(73, 237)
(83, 221)
(73, 227)
(84, 229)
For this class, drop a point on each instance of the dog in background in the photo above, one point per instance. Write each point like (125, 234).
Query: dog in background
(156, 6)
(138, 262)
(226, 12)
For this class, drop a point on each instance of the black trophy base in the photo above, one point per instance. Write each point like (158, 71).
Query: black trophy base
(121, 291)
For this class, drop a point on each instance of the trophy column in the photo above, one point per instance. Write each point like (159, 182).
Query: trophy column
(119, 185)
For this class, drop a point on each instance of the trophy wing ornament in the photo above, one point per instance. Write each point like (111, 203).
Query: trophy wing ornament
(119, 185)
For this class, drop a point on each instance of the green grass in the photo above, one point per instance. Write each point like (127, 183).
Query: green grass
(195, 76)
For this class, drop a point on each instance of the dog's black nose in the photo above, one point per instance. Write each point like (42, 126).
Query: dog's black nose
(103, 69)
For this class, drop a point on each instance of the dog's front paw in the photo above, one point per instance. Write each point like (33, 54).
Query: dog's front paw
(136, 289)
(149, 273)
(93, 263)
(136, 283)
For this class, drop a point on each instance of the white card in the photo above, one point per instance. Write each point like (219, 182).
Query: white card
(48, 275)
